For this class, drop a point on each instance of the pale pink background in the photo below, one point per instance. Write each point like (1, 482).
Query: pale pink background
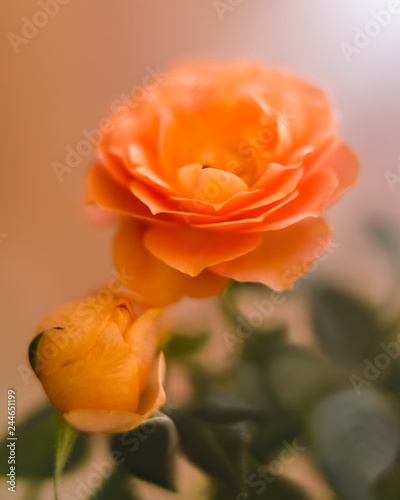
(64, 80)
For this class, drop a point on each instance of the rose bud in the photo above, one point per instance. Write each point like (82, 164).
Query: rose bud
(99, 363)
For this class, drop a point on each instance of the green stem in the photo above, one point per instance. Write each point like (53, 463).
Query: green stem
(65, 442)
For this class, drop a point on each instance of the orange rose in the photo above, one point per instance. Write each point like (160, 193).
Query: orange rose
(224, 171)
(99, 364)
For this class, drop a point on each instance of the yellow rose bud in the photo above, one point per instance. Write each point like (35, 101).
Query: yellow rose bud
(99, 363)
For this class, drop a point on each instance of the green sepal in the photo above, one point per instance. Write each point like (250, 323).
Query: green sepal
(33, 348)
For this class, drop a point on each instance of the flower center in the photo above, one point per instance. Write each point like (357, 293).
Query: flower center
(226, 160)
(122, 317)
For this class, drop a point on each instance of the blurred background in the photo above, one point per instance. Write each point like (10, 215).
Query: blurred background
(62, 70)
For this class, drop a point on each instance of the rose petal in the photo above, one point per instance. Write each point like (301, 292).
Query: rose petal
(109, 365)
(217, 186)
(102, 421)
(82, 323)
(250, 220)
(173, 208)
(204, 285)
(276, 183)
(190, 250)
(157, 202)
(189, 177)
(220, 124)
(310, 202)
(154, 395)
(305, 108)
(344, 164)
(108, 193)
(145, 173)
(142, 336)
(282, 257)
(114, 165)
(157, 283)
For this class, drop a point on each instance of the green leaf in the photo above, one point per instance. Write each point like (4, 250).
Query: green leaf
(148, 451)
(116, 487)
(250, 387)
(34, 345)
(347, 330)
(216, 449)
(183, 345)
(356, 438)
(268, 440)
(227, 412)
(37, 437)
(387, 486)
(262, 346)
(66, 439)
(297, 377)
(203, 381)
(390, 377)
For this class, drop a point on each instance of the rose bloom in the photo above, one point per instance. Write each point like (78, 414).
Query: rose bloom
(99, 364)
(223, 172)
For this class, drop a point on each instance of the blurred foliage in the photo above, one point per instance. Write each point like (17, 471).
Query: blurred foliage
(263, 346)
(116, 487)
(355, 438)
(267, 440)
(347, 330)
(36, 444)
(217, 449)
(260, 486)
(298, 377)
(387, 487)
(148, 452)
(220, 411)
(180, 346)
